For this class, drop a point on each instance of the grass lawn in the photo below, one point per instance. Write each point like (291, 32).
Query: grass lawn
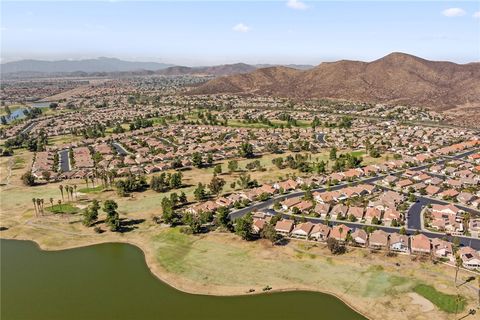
(63, 208)
(18, 163)
(445, 302)
(96, 189)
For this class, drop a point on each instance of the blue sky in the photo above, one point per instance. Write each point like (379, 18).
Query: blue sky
(205, 33)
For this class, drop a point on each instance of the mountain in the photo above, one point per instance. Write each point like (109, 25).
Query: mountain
(220, 70)
(396, 78)
(89, 66)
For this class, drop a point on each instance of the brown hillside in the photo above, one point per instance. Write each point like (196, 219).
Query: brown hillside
(395, 78)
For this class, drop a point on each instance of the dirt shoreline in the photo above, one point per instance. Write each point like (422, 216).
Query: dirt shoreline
(162, 274)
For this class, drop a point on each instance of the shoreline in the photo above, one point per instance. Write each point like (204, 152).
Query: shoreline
(161, 277)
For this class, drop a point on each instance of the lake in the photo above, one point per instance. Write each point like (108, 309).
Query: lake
(18, 113)
(112, 281)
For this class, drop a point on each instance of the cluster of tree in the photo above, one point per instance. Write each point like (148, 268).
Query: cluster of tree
(291, 121)
(346, 161)
(7, 152)
(118, 128)
(131, 184)
(165, 182)
(254, 165)
(246, 150)
(113, 220)
(90, 214)
(96, 130)
(32, 113)
(33, 144)
(169, 204)
(198, 161)
(335, 246)
(140, 123)
(211, 119)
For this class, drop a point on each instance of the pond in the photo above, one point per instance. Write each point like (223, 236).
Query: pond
(112, 281)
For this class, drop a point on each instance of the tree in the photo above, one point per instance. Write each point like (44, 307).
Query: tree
(217, 169)
(61, 191)
(209, 159)
(335, 247)
(175, 180)
(232, 165)
(199, 192)
(34, 200)
(197, 160)
(113, 220)
(270, 233)
(28, 179)
(168, 213)
(193, 222)
(243, 226)
(403, 231)
(182, 198)
(244, 181)
(333, 154)
(90, 215)
(216, 185)
(246, 150)
(221, 217)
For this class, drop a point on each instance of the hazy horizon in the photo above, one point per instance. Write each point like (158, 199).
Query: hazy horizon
(210, 33)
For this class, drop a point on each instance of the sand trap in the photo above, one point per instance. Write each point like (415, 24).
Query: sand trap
(424, 304)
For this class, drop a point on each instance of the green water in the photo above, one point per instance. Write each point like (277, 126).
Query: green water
(112, 281)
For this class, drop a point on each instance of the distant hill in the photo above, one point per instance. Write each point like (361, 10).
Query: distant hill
(86, 66)
(396, 78)
(220, 70)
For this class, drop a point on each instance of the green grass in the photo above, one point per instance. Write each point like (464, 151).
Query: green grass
(446, 302)
(63, 208)
(91, 189)
(18, 163)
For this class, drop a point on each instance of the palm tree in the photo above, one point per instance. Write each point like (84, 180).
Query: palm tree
(39, 202)
(341, 231)
(61, 190)
(86, 180)
(71, 192)
(75, 188)
(35, 206)
(458, 264)
(51, 202)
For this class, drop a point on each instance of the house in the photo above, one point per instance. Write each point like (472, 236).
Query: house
(302, 231)
(290, 203)
(360, 237)
(357, 212)
(420, 244)
(390, 215)
(339, 210)
(284, 227)
(258, 225)
(322, 209)
(378, 239)
(320, 232)
(399, 242)
(372, 213)
(470, 257)
(442, 249)
(304, 206)
(339, 232)
(432, 190)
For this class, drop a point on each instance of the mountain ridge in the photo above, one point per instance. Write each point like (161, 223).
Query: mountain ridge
(395, 78)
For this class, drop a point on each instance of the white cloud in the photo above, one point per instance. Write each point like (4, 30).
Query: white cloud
(477, 15)
(241, 28)
(453, 12)
(296, 4)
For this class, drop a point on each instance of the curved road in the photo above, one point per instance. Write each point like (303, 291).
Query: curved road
(413, 214)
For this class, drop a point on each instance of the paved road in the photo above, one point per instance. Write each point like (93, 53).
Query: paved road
(120, 149)
(64, 160)
(413, 214)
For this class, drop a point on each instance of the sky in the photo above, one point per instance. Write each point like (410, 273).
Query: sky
(205, 33)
